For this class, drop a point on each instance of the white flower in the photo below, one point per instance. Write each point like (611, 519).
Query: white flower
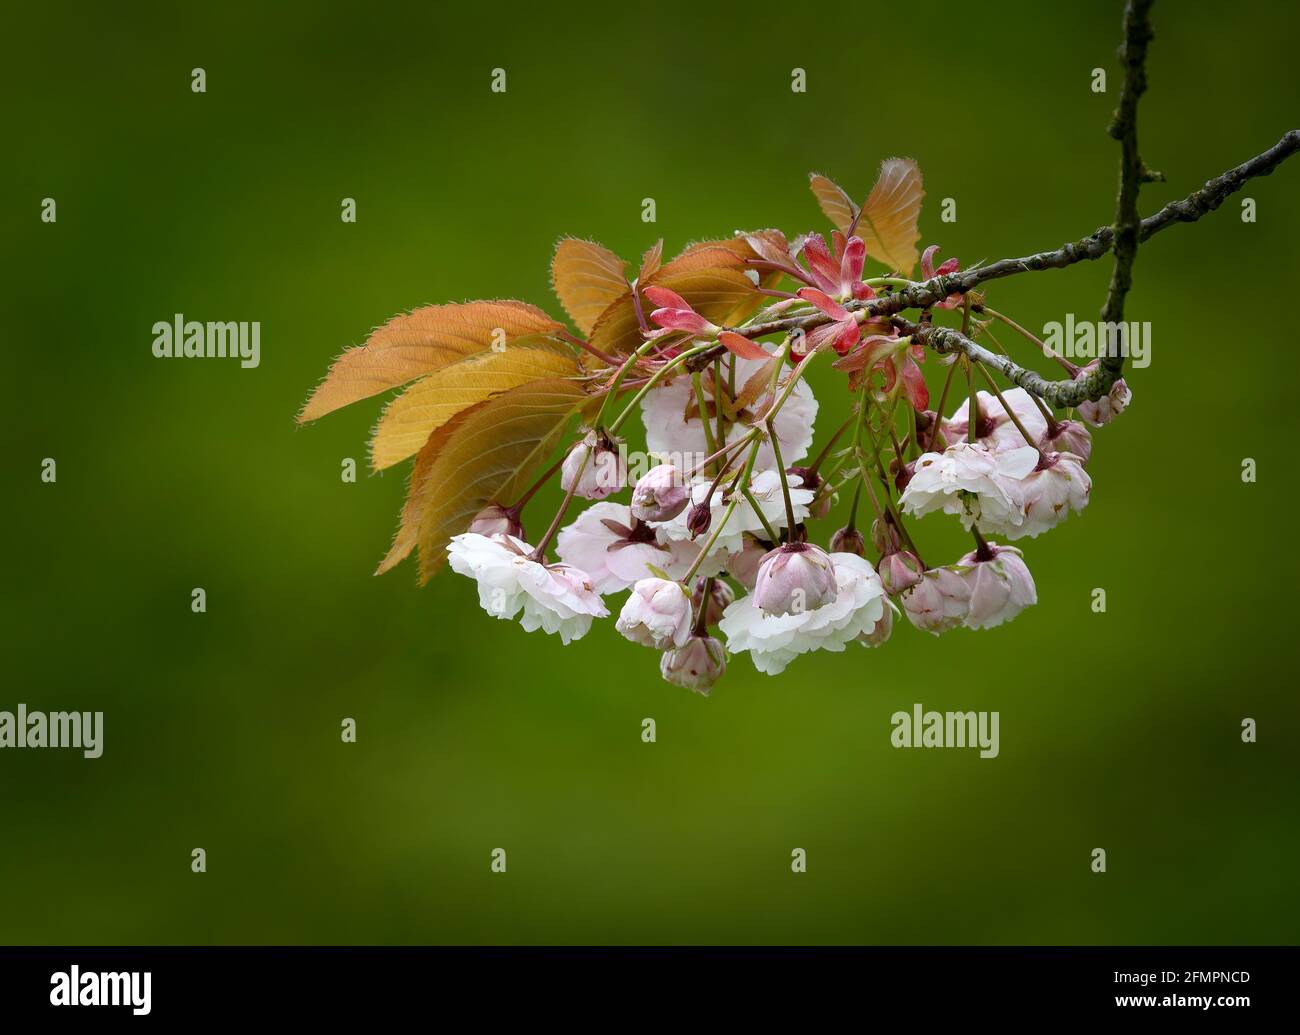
(657, 614)
(996, 429)
(1046, 496)
(773, 642)
(668, 434)
(554, 597)
(616, 550)
(971, 481)
(765, 487)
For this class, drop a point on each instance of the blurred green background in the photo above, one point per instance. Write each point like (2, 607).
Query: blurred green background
(1119, 730)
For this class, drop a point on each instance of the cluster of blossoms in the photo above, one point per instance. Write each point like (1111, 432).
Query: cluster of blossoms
(716, 559)
(711, 543)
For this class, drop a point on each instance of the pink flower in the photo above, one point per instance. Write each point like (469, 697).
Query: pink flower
(1000, 586)
(660, 494)
(616, 550)
(794, 578)
(599, 474)
(1071, 436)
(696, 665)
(939, 602)
(657, 614)
(1104, 410)
(1056, 486)
(497, 520)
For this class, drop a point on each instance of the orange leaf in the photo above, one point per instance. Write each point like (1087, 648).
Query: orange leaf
(650, 261)
(835, 203)
(420, 342)
(433, 400)
(888, 223)
(587, 278)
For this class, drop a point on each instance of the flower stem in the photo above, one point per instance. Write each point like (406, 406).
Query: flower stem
(654, 379)
(1069, 367)
(726, 516)
(539, 554)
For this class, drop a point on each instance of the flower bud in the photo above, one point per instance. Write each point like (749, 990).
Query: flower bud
(698, 519)
(1071, 436)
(849, 540)
(596, 476)
(696, 665)
(657, 614)
(720, 595)
(497, 520)
(661, 494)
(795, 578)
(899, 572)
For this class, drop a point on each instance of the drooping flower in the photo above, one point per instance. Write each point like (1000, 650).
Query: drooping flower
(1104, 410)
(657, 613)
(939, 602)
(557, 598)
(696, 665)
(794, 578)
(774, 641)
(616, 550)
(497, 520)
(1057, 485)
(972, 481)
(595, 468)
(660, 494)
(1000, 585)
(672, 421)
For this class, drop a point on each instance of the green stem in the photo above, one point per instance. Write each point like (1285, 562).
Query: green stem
(726, 516)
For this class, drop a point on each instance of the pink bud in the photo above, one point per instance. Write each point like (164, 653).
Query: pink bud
(660, 494)
(849, 540)
(885, 537)
(899, 572)
(698, 519)
(596, 476)
(720, 595)
(795, 578)
(696, 665)
(879, 632)
(497, 520)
